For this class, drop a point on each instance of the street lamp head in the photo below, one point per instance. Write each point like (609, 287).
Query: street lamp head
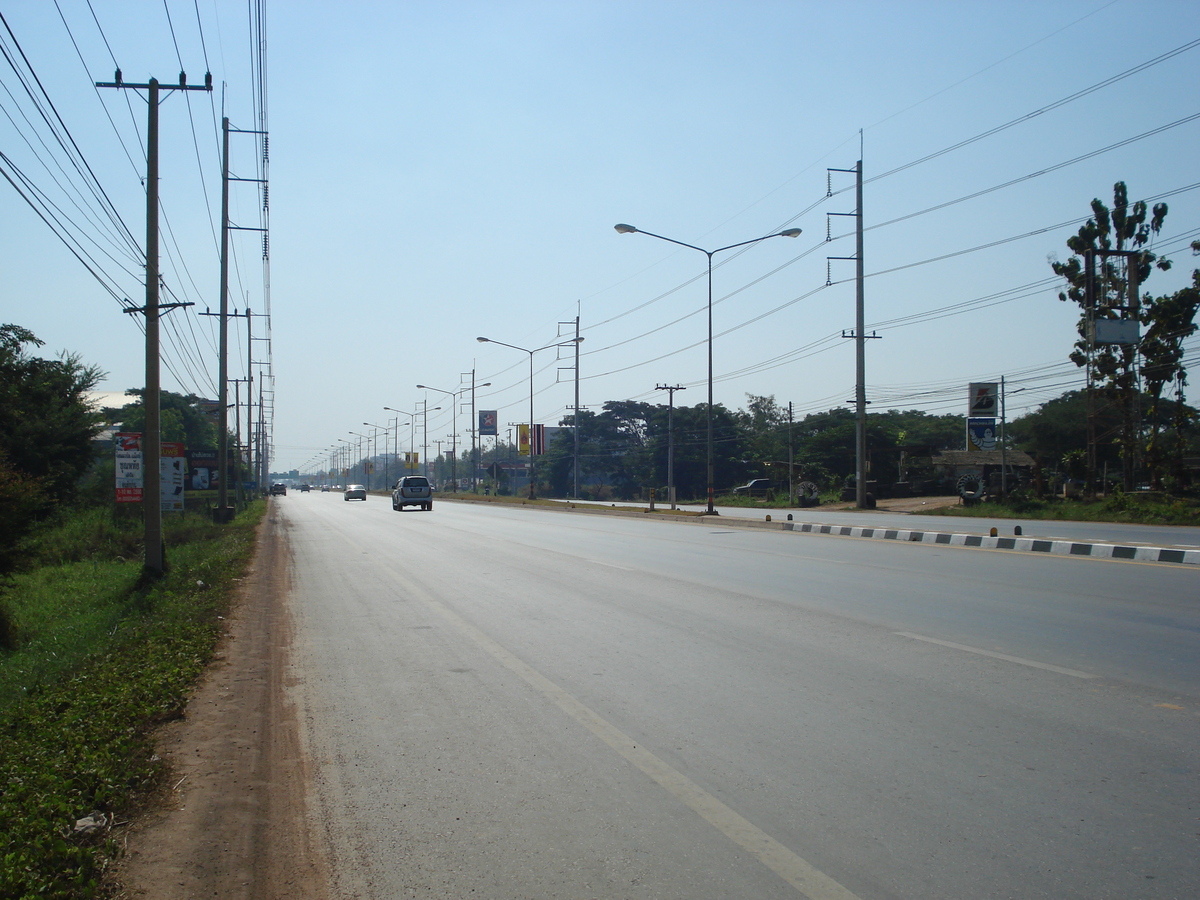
(625, 229)
(791, 232)
(482, 340)
(421, 387)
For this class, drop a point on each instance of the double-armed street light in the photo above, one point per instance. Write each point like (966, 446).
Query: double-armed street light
(789, 232)
(572, 342)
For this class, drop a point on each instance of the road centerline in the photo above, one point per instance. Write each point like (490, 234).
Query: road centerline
(1074, 673)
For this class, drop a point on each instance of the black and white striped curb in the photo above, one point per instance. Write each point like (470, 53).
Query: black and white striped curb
(987, 542)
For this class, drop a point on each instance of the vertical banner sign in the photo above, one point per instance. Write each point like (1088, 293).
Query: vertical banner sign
(522, 440)
(981, 434)
(984, 399)
(129, 467)
(539, 439)
(172, 462)
(487, 423)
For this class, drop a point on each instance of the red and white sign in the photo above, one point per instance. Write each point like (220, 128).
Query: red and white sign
(129, 467)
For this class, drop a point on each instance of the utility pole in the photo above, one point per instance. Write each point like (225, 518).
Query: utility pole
(791, 457)
(670, 389)
(224, 512)
(152, 437)
(860, 340)
(474, 433)
(575, 467)
(575, 459)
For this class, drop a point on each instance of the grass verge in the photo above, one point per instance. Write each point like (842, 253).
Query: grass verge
(99, 661)
(1129, 508)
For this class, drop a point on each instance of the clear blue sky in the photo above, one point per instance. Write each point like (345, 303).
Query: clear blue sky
(439, 172)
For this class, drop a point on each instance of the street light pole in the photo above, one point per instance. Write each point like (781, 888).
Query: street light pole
(365, 464)
(453, 431)
(575, 341)
(375, 437)
(412, 428)
(790, 232)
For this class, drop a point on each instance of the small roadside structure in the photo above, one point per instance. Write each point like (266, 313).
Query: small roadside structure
(978, 472)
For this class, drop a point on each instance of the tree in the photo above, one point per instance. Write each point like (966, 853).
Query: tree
(1168, 321)
(1112, 371)
(47, 423)
(182, 417)
(1059, 427)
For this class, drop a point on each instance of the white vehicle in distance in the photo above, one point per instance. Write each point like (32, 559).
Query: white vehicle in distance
(355, 492)
(412, 490)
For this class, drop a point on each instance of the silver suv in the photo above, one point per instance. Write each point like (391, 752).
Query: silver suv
(412, 490)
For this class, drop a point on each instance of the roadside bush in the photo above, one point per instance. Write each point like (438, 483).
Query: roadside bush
(8, 629)
(21, 501)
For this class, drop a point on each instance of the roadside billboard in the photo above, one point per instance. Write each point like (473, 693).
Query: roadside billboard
(129, 471)
(984, 399)
(487, 422)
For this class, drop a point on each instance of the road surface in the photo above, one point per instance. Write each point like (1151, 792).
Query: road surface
(512, 703)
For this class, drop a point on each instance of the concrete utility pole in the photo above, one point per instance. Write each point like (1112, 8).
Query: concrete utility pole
(860, 342)
(575, 460)
(152, 436)
(224, 512)
(791, 458)
(860, 351)
(670, 389)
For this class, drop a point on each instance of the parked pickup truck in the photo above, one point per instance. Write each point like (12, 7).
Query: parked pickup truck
(756, 487)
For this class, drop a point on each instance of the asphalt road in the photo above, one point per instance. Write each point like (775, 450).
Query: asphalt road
(510, 703)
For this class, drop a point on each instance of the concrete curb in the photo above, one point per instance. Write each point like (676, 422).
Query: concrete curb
(1132, 552)
(1139, 553)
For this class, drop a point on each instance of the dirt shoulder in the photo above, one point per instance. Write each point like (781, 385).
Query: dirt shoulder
(233, 821)
(904, 504)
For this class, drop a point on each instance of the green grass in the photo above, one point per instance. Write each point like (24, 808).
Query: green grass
(99, 661)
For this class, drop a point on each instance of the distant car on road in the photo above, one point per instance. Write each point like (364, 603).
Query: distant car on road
(278, 488)
(412, 490)
(324, 489)
(354, 492)
(304, 488)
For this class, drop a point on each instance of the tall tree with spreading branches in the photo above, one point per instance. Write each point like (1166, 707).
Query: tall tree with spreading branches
(1113, 372)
